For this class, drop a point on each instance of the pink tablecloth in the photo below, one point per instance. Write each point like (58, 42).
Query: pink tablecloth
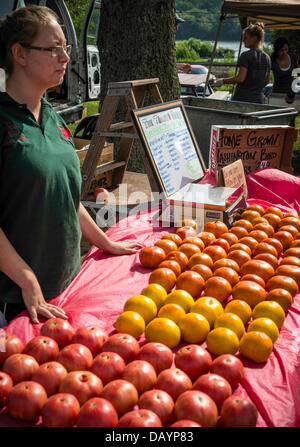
(104, 283)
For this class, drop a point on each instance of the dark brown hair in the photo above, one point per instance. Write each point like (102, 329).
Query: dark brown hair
(256, 30)
(22, 25)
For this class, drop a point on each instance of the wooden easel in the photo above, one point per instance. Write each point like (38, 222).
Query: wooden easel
(134, 93)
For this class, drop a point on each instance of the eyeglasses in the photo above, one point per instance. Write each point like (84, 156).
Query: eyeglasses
(55, 51)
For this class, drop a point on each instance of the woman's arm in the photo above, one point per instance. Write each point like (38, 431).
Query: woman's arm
(97, 237)
(238, 79)
(19, 272)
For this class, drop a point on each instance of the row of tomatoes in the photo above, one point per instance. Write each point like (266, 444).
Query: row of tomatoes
(112, 381)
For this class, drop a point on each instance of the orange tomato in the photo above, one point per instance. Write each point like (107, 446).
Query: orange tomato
(179, 257)
(190, 281)
(282, 282)
(163, 276)
(195, 241)
(266, 325)
(259, 235)
(295, 221)
(269, 309)
(189, 223)
(271, 259)
(250, 215)
(240, 256)
(215, 252)
(297, 236)
(256, 346)
(276, 243)
(200, 258)
(258, 220)
(230, 238)
(186, 231)
(218, 287)
(264, 247)
(243, 223)
(255, 278)
(151, 256)
(203, 270)
(291, 229)
(231, 321)
(222, 243)
(163, 330)
(282, 297)
(292, 260)
(171, 264)
(274, 210)
(240, 308)
(250, 241)
(206, 237)
(258, 267)
(216, 227)
(166, 244)
(229, 274)
(209, 307)
(273, 220)
(239, 232)
(256, 207)
(240, 246)
(194, 328)
(226, 262)
(189, 249)
(266, 227)
(249, 291)
(284, 237)
(173, 237)
(289, 270)
(295, 251)
(172, 311)
(295, 243)
(222, 341)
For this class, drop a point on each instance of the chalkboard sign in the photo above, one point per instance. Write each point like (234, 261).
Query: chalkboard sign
(170, 145)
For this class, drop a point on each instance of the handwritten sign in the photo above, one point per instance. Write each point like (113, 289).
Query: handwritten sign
(233, 176)
(255, 146)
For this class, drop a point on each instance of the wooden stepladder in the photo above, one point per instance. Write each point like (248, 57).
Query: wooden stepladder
(134, 93)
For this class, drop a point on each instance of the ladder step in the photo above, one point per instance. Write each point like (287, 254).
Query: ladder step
(109, 166)
(121, 125)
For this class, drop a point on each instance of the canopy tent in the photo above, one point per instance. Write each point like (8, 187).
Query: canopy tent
(276, 14)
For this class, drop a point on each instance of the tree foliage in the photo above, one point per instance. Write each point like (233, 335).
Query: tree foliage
(77, 11)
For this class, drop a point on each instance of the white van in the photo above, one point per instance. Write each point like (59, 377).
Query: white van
(82, 79)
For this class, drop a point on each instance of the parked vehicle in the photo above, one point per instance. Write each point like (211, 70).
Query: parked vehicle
(82, 79)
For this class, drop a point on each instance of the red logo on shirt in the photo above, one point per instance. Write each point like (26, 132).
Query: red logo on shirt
(65, 131)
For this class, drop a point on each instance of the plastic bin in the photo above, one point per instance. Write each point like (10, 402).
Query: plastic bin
(203, 113)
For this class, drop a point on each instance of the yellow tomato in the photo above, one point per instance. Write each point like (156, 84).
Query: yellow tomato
(131, 323)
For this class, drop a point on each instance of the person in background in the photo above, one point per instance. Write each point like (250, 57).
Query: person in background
(41, 216)
(181, 66)
(283, 65)
(254, 67)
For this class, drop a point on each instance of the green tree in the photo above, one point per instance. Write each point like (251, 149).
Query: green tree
(77, 11)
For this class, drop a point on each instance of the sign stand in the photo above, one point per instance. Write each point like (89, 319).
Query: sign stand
(134, 93)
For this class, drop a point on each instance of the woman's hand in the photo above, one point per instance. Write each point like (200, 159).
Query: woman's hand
(36, 305)
(128, 246)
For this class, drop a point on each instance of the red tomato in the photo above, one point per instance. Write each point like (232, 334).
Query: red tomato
(238, 412)
(20, 367)
(6, 385)
(60, 410)
(92, 337)
(108, 366)
(214, 386)
(141, 374)
(193, 360)
(75, 357)
(82, 384)
(123, 344)
(229, 367)
(185, 423)
(97, 412)
(43, 349)
(158, 401)
(26, 400)
(158, 354)
(140, 418)
(197, 406)
(174, 382)
(60, 330)
(50, 375)
(13, 345)
(122, 394)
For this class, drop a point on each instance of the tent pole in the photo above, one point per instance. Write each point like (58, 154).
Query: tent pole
(213, 53)
(236, 66)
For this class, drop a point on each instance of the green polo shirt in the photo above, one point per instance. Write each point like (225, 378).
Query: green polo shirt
(40, 184)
